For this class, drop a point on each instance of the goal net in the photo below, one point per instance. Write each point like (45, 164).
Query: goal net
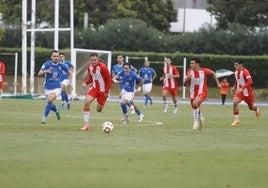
(80, 60)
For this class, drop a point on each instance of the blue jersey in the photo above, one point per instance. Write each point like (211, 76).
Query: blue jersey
(129, 80)
(147, 74)
(53, 79)
(65, 75)
(119, 68)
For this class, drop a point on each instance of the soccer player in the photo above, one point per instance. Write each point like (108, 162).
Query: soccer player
(243, 91)
(99, 80)
(2, 73)
(115, 70)
(170, 84)
(129, 79)
(148, 74)
(196, 76)
(65, 80)
(52, 70)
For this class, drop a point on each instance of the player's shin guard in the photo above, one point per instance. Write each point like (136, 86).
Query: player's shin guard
(124, 108)
(48, 108)
(62, 93)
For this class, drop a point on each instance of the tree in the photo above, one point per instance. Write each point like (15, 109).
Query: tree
(11, 11)
(250, 13)
(157, 13)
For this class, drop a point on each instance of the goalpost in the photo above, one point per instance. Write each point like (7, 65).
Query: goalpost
(32, 30)
(80, 60)
(15, 69)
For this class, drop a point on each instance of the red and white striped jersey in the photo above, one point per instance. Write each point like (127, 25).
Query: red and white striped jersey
(243, 80)
(198, 81)
(100, 77)
(169, 81)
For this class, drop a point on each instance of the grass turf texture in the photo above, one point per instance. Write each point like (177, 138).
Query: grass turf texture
(163, 151)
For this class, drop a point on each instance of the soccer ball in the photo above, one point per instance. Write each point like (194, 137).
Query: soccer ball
(107, 127)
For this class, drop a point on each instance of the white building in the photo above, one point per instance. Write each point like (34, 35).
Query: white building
(192, 15)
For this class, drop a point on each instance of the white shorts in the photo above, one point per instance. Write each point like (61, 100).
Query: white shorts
(127, 95)
(147, 88)
(65, 82)
(57, 91)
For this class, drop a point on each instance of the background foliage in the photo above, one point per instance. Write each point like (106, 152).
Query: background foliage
(156, 13)
(135, 35)
(142, 26)
(246, 12)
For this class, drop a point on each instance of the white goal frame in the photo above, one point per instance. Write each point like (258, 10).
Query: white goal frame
(15, 69)
(74, 59)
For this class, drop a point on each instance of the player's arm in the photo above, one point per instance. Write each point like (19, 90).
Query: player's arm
(108, 80)
(187, 79)
(162, 77)
(43, 71)
(248, 80)
(176, 73)
(234, 86)
(154, 76)
(88, 81)
(115, 78)
(216, 79)
(134, 69)
(140, 85)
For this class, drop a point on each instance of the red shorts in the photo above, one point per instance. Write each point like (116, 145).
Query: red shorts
(248, 99)
(172, 91)
(202, 96)
(100, 96)
(1, 85)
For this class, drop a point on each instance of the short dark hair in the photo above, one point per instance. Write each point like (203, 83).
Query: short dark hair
(94, 55)
(127, 64)
(54, 51)
(239, 61)
(196, 59)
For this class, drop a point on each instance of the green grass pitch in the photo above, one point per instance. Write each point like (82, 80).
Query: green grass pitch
(162, 151)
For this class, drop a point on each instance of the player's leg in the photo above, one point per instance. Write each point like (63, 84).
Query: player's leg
(236, 100)
(101, 101)
(196, 112)
(131, 107)
(164, 97)
(89, 98)
(138, 111)
(63, 94)
(146, 88)
(86, 111)
(173, 94)
(250, 101)
(51, 96)
(126, 98)
(67, 100)
(124, 103)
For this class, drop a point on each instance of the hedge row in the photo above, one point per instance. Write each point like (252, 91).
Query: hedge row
(258, 65)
